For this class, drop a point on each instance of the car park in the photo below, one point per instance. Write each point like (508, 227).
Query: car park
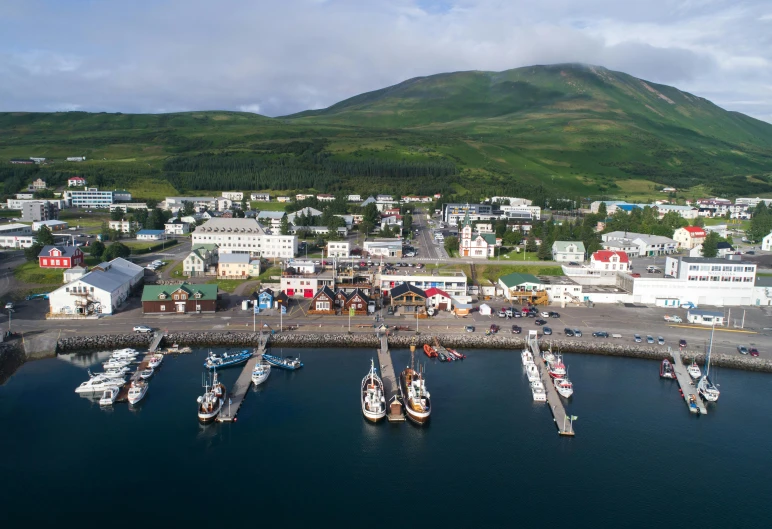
(637, 338)
(754, 351)
(660, 340)
(568, 332)
(547, 331)
(649, 339)
(600, 334)
(516, 329)
(577, 333)
(469, 328)
(142, 329)
(742, 349)
(540, 322)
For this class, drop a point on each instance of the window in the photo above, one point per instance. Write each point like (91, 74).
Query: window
(163, 307)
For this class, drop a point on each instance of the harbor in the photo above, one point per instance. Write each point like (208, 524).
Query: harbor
(559, 415)
(688, 387)
(390, 384)
(237, 395)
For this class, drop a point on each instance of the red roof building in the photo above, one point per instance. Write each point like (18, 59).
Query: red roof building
(438, 299)
(689, 236)
(610, 260)
(76, 181)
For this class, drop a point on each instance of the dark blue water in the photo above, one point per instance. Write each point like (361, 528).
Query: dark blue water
(301, 455)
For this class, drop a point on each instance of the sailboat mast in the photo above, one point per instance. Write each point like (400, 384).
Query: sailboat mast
(710, 348)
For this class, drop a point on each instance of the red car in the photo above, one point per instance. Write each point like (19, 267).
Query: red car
(754, 351)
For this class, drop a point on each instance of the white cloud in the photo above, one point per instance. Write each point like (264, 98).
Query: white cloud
(283, 57)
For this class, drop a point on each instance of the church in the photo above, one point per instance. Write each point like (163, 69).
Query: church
(480, 246)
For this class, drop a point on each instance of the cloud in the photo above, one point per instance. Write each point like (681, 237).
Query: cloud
(282, 57)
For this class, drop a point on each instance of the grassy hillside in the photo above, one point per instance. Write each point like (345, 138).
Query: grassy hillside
(543, 131)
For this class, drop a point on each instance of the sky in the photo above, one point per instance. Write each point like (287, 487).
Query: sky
(284, 56)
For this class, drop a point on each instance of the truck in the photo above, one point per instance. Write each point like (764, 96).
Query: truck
(673, 319)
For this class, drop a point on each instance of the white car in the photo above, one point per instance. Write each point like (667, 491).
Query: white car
(142, 328)
(9, 306)
(545, 314)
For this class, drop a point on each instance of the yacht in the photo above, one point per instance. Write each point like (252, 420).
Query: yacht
(373, 399)
(153, 361)
(146, 374)
(537, 389)
(121, 371)
(526, 357)
(124, 354)
(412, 387)
(98, 384)
(694, 370)
(708, 390)
(533, 372)
(666, 369)
(109, 395)
(564, 387)
(209, 405)
(137, 391)
(116, 363)
(260, 373)
(556, 367)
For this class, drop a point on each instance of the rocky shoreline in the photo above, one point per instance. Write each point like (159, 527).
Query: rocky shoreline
(397, 341)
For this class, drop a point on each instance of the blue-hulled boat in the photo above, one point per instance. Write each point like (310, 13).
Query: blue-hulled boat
(288, 362)
(214, 361)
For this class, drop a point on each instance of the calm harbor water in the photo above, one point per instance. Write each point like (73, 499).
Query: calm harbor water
(302, 455)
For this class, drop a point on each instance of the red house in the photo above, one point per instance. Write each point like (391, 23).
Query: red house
(60, 257)
(76, 181)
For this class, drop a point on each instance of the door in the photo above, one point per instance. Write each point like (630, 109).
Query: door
(180, 307)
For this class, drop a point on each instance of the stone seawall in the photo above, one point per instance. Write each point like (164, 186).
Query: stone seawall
(401, 341)
(11, 358)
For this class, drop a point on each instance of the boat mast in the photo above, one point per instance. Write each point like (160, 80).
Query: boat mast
(710, 348)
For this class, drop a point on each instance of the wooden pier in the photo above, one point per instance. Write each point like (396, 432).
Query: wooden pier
(239, 392)
(389, 379)
(157, 337)
(561, 418)
(688, 386)
(123, 394)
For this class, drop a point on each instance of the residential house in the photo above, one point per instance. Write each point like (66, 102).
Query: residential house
(201, 261)
(523, 288)
(323, 301)
(451, 281)
(766, 243)
(639, 244)
(151, 235)
(438, 299)
(357, 299)
(302, 196)
(200, 204)
(76, 181)
(687, 212)
(567, 251)
(179, 299)
(408, 299)
(354, 198)
(260, 197)
(60, 257)
(705, 317)
(101, 291)
(325, 198)
(283, 199)
(338, 249)
(233, 196)
(38, 184)
(233, 266)
(176, 227)
(380, 247)
(610, 260)
(689, 236)
(265, 299)
(124, 226)
(299, 279)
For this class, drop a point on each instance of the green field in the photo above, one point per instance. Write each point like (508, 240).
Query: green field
(226, 285)
(31, 273)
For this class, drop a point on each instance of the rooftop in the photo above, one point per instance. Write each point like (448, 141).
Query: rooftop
(152, 292)
(514, 279)
(234, 258)
(221, 225)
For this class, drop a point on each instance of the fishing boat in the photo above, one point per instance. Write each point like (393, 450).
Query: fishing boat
(373, 399)
(137, 391)
(564, 387)
(708, 390)
(547, 355)
(260, 373)
(526, 357)
(288, 362)
(430, 351)
(209, 405)
(412, 388)
(666, 369)
(154, 361)
(218, 387)
(694, 370)
(109, 395)
(556, 367)
(533, 372)
(538, 391)
(214, 361)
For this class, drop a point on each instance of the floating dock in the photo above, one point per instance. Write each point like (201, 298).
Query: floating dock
(236, 396)
(157, 337)
(565, 426)
(688, 387)
(389, 382)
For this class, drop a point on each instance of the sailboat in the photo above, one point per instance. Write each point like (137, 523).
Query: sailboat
(416, 399)
(708, 390)
(373, 399)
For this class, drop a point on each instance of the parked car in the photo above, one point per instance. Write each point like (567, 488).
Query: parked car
(540, 322)
(681, 343)
(390, 311)
(494, 328)
(577, 333)
(547, 331)
(545, 314)
(502, 313)
(742, 349)
(754, 351)
(660, 340)
(673, 319)
(508, 312)
(516, 314)
(600, 334)
(649, 339)
(554, 315)
(637, 338)
(469, 328)
(635, 274)
(516, 329)
(142, 329)
(568, 332)
(9, 306)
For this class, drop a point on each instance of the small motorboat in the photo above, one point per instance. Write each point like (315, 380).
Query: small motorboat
(430, 351)
(109, 395)
(666, 369)
(526, 357)
(153, 361)
(124, 354)
(538, 391)
(98, 384)
(459, 356)
(533, 372)
(260, 373)
(564, 387)
(146, 373)
(694, 370)
(137, 391)
(114, 363)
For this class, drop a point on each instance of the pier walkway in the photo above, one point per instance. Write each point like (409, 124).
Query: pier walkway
(239, 392)
(389, 381)
(123, 394)
(565, 426)
(688, 387)
(157, 337)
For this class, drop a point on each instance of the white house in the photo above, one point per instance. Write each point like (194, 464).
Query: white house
(260, 197)
(151, 235)
(639, 244)
(124, 226)
(566, 251)
(233, 196)
(438, 298)
(101, 291)
(76, 181)
(689, 236)
(766, 243)
(687, 212)
(354, 198)
(176, 227)
(705, 317)
(324, 197)
(338, 248)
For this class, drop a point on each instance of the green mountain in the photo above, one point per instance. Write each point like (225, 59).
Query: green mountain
(550, 131)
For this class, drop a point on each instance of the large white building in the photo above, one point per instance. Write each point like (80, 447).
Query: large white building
(235, 196)
(18, 203)
(338, 248)
(16, 236)
(687, 212)
(174, 204)
(101, 291)
(94, 198)
(383, 248)
(638, 244)
(244, 236)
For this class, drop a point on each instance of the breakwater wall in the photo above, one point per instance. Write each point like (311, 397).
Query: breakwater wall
(401, 341)
(11, 358)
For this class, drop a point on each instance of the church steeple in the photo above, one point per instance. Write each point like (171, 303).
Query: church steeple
(467, 221)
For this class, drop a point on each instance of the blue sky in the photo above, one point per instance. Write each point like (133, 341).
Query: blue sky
(285, 56)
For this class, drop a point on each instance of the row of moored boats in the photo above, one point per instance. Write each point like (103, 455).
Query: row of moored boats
(556, 370)
(706, 387)
(117, 368)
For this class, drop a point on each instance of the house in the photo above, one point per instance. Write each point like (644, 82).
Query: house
(53, 225)
(128, 206)
(610, 260)
(481, 246)
(323, 301)
(407, 298)
(265, 299)
(687, 212)
(200, 204)
(179, 299)
(325, 198)
(202, 260)
(639, 244)
(705, 317)
(438, 299)
(25, 196)
(384, 198)
(271, 218)
(124, 226)
(299, 279)
(724, 249)
(233, 196)
(523, 288)
(76, 181)
(176, 227)
(283, 199)
(357, 299)
(101, 291)
(151, 235)
(38, 184)
(381, 247)
(260, 197)
(237, 266)
(689, 236)
(451, 281)
(567, 251)
(354, 198)
(60, 257)
(338, 249)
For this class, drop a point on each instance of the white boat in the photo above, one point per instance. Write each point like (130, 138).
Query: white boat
(537, 389)
(564, 387)
(153, 361)
(373, 399)
(110, 374)
(547, 356)
(124, 354)
(123, 371)
(97, 384)
(115, 363)
(556, 367)
(137, 391)
(109, 395)
(260, 373)
(694, 370)
(708, 390)
(526, 357)
(146, 374)
(209, 405)
(533, 372)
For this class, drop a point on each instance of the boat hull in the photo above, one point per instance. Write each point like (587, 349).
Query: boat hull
(414, 416)
(209, 416)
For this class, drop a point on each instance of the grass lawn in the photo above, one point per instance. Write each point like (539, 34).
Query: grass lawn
(176, 271)
(85, 220)
(731, 223)
(268, 272)
(144, 245)
(267, 206)
(514, 256)
(15, 213)
(226, 285)
(31, 273)
(494, 272)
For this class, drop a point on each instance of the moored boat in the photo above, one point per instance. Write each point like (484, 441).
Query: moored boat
(114, 363)
(137, 391)
(532, 371)
(146, 373)
(707, 388)
(459, 356)
(556, 367)
(666, 369)
(109, 395)
(373, 398)
(564, 387)
(430, 351)
(209, 405)
(218, 387)
(214, 361)
(526, 357)
(538, 391)
(694, 370)
(260, 373)
(98, 384)
(288, 362)
(415, 397)
(154, 361)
